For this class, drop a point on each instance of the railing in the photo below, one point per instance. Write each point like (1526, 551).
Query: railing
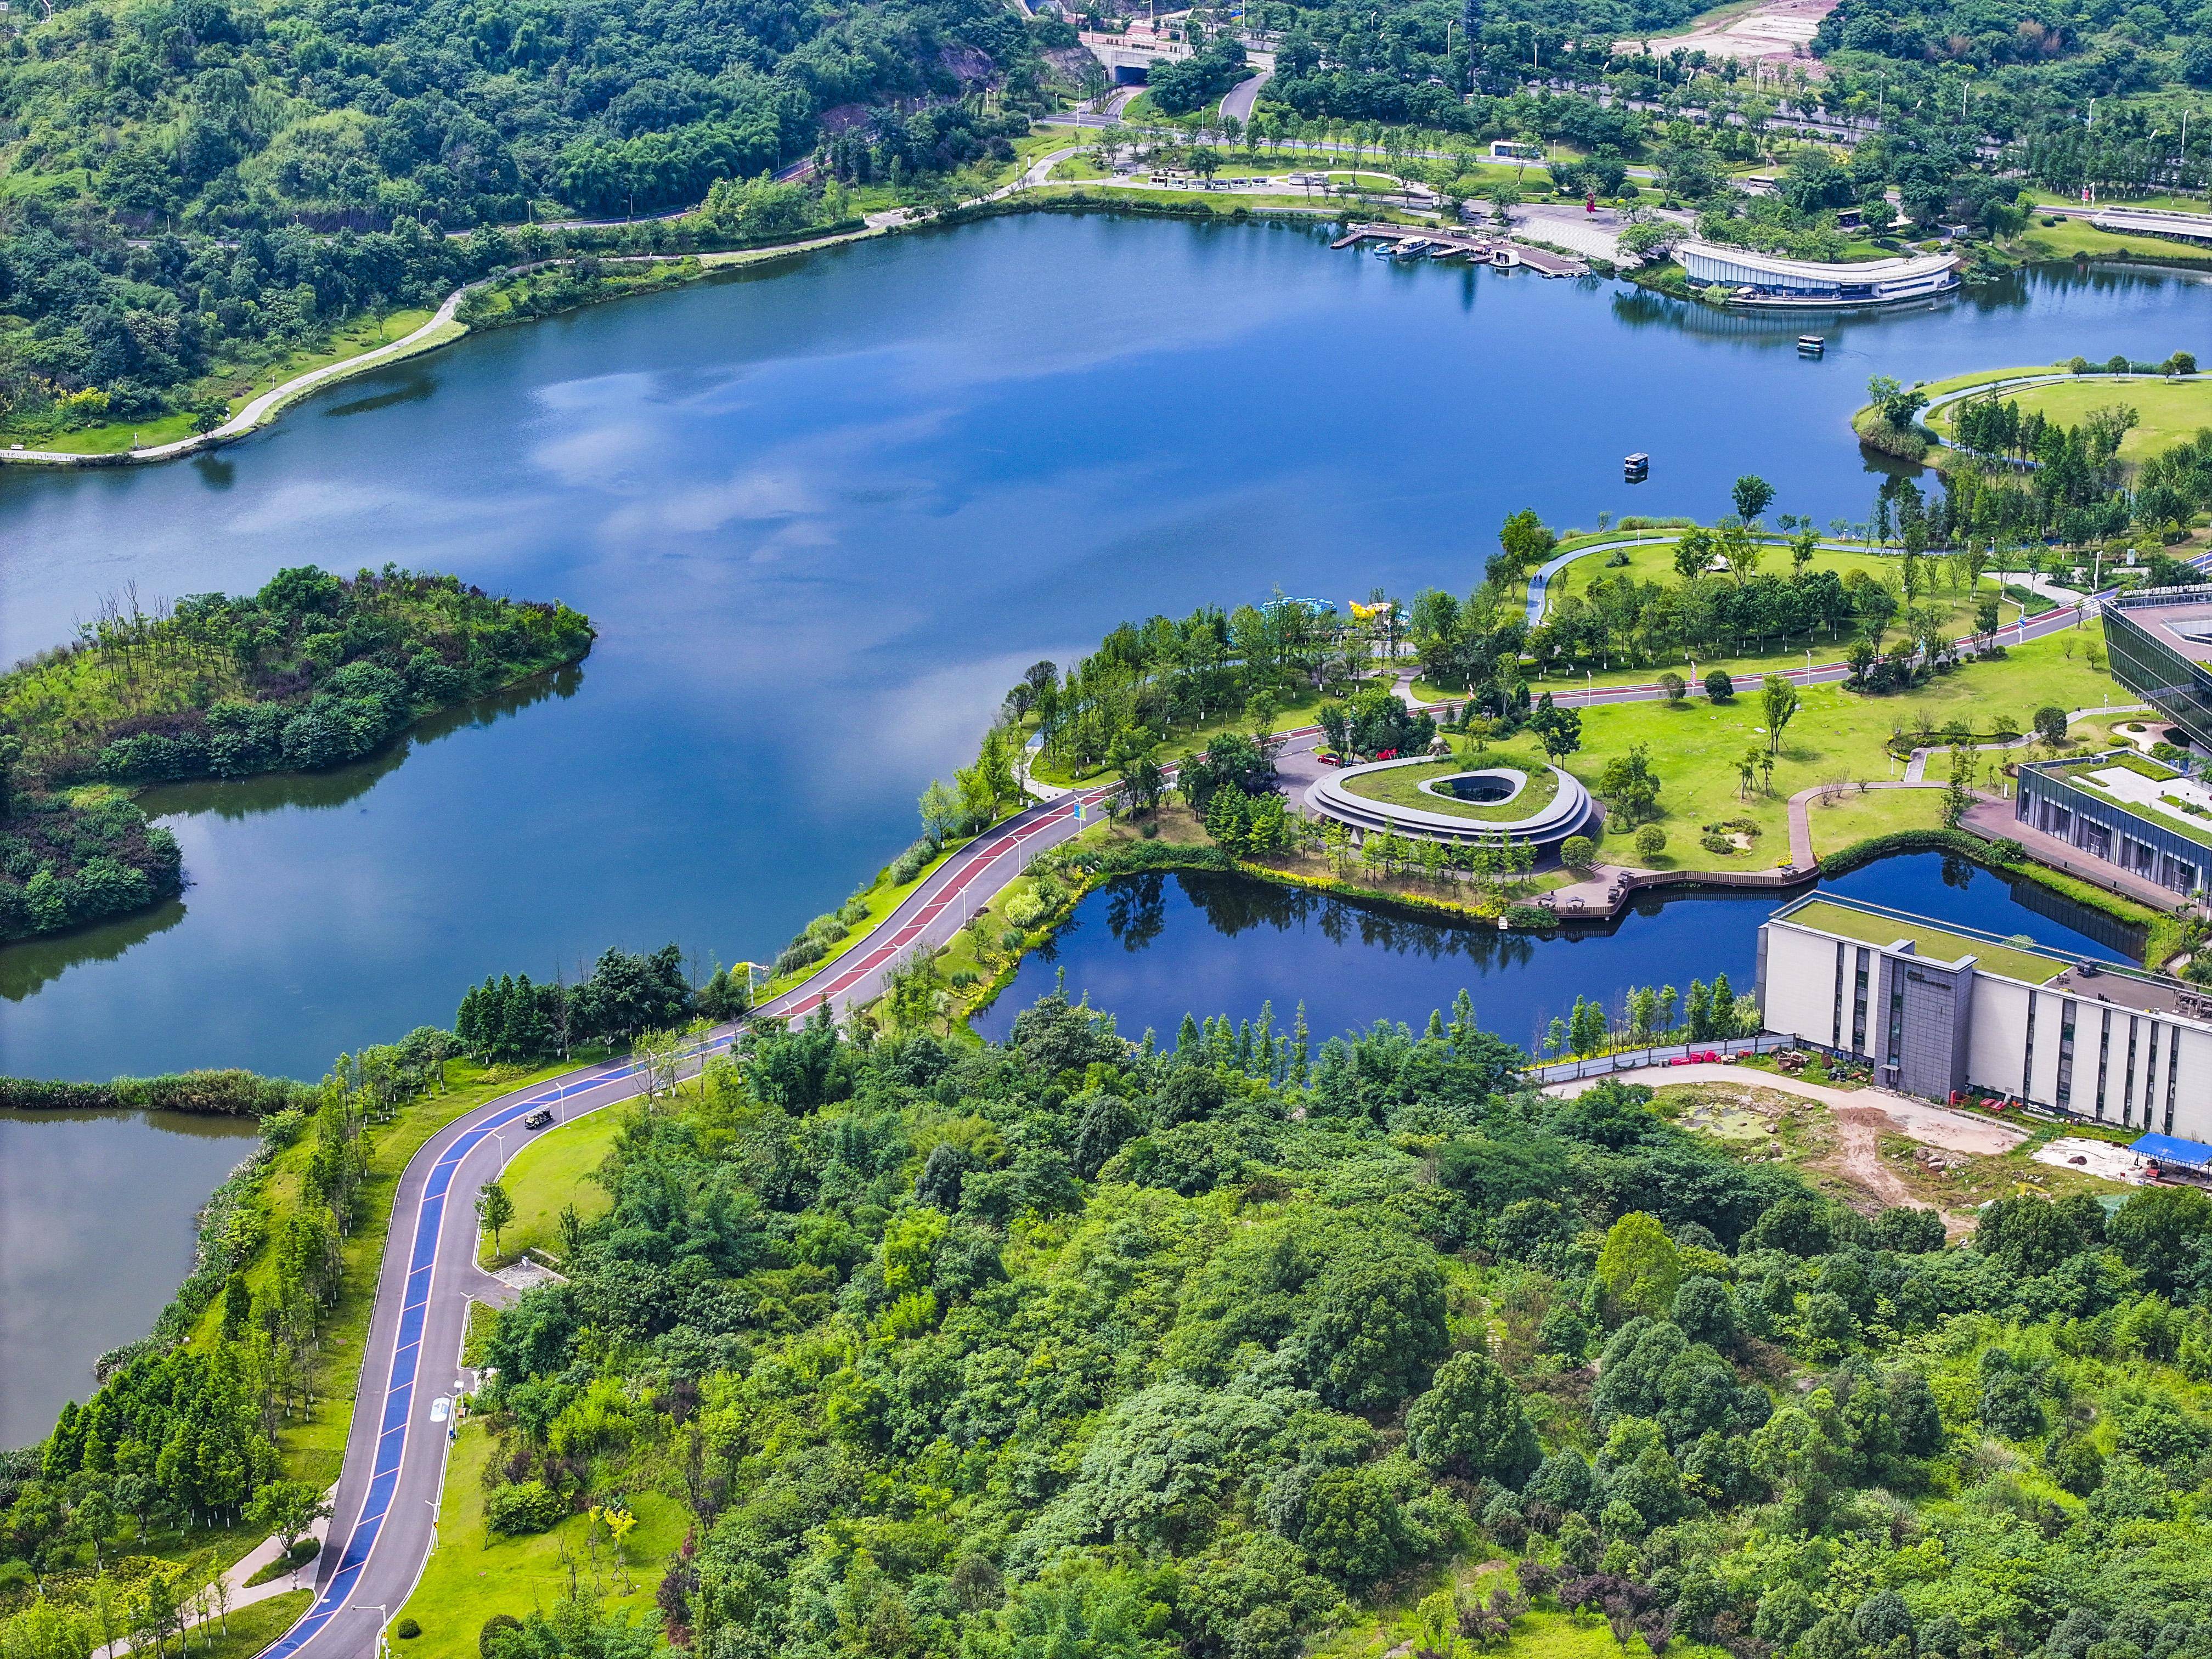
(1637, 1060)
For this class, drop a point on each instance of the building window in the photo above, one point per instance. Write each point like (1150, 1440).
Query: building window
(2096, 839)
(2065, 1093)
(1836, 1024)
(2150, 1073)
(2027, 1057)
(1859, 1008)
(2104, 1061)
(2128, 1087)
(2172, 1075)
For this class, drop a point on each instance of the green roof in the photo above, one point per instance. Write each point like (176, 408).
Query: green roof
(1935, 944)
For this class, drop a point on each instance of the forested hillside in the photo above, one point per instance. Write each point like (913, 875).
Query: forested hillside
(167, 158)
(1071, 1348)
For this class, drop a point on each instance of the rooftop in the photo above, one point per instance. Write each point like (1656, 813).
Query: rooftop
(2144, 789)
(1816, 270)
(2187, 628)
(1928, 940)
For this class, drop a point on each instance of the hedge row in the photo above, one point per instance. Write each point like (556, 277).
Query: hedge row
(210, 1094)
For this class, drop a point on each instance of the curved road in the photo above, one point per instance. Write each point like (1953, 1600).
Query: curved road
(385, 1514)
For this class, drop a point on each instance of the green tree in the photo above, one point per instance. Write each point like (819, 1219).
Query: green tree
(1779, 700)
(1630, 786)
(1638, 1266)
(495, 1210)
(286, 1510)
(1752, 496)
(1473, 1423)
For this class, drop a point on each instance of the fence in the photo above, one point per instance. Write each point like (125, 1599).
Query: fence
(1635, 1060)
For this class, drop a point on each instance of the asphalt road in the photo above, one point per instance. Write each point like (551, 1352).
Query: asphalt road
(385, 1514)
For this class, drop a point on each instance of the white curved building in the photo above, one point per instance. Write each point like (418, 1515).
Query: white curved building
(1563, 815)
(1764, 279)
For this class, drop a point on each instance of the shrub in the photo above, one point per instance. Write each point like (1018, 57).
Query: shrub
(2051, 723)
(1650, 841)
(1718, 686)
(494, 1627)
(408, 1629)
(1675, 685)
(1024, 909)
(1578, 851)
(526, 1507)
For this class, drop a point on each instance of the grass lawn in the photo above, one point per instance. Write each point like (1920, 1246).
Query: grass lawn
(2171, 411)
(1695, 743)
(1535, 1635)
(1937, 943)
(472, 1575)
(1401, 786)
(2078, 238)
(551, 1173)
(252, 1629)
(1853, 817)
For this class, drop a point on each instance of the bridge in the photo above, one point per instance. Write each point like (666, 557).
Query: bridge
(1129, 57)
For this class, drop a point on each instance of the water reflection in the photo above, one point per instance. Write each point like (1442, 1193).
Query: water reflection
(95, 1234)
(1152, 948)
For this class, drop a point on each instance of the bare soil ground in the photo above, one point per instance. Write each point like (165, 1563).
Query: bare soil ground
(1775, 29)
(1871, 1150)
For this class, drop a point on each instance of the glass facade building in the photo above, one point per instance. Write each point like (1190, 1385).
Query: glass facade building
(2143, 637)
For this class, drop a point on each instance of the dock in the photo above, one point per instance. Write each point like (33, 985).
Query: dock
(1486, 250)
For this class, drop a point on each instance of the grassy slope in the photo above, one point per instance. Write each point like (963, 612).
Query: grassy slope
(551, 1173)
(1401, 787)
(472, 1575)
(251, 1629)
(238, 384)
(2077, 238)
(314, 1448)
(2171, 411)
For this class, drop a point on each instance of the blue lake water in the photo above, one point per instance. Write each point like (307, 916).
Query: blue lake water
(1150, 949)
(822, 515)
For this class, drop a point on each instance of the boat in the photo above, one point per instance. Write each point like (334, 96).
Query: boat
(1411, 248)
(1635, 468)
(1812, 345)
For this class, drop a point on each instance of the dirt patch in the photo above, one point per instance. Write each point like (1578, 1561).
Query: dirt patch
(1778, 29)
(2103, 1158)
(1858, 1156)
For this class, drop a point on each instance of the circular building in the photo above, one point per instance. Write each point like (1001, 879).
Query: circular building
(1448, 800)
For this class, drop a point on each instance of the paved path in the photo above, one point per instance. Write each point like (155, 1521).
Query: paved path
(1237, 105)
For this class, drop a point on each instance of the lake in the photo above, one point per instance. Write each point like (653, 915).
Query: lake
(822, 515)
(96, 1233)
(1150, 949)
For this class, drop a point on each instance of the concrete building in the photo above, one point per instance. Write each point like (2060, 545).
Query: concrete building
(2161, 643)
(1764, 279)
(1938, 1010)
(2124, 808)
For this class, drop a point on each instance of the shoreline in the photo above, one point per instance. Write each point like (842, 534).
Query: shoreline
(1022, 195)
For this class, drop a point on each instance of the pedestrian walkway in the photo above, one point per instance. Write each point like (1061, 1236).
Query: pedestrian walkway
(1994, 820)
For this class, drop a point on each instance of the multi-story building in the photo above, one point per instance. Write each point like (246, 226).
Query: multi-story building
(1938, 1010)
(2125, 809)
(2160, 640)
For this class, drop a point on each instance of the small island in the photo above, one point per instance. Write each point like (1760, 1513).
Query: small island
(312, 671)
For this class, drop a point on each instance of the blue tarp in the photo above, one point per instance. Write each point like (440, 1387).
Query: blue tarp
(2189, 1154)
